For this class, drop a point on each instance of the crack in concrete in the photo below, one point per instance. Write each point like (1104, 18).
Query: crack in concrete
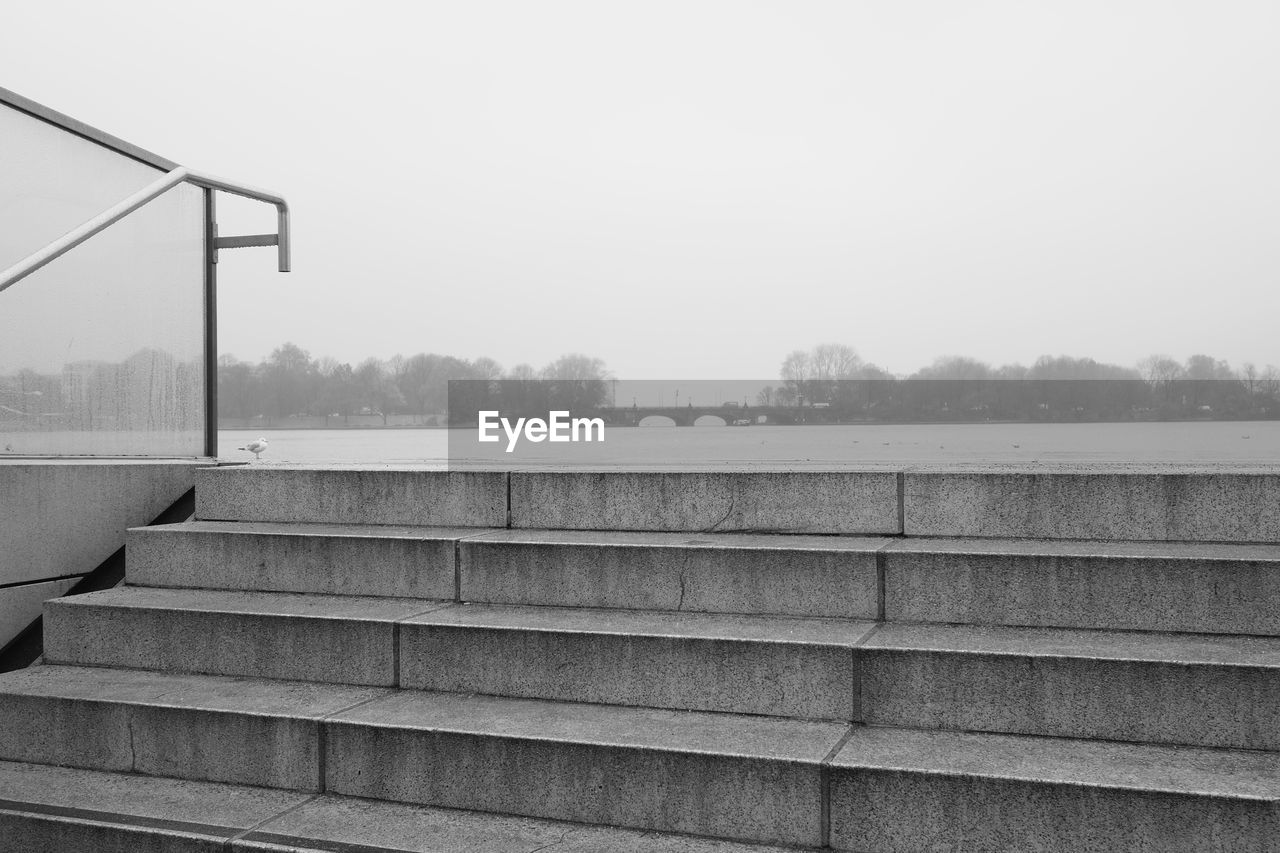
(555, 843)
(733, 502)
(133, 751)
(684, 569)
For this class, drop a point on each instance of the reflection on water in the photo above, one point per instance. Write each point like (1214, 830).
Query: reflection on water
(1234, 441)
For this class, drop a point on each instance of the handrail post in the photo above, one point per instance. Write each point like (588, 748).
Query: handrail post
(284, 248)
(210, 324)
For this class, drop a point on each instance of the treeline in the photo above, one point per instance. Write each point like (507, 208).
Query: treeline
(831, 382)
(291, 383)
(840, 361)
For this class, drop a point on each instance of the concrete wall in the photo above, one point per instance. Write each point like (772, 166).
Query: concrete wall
(60, 518)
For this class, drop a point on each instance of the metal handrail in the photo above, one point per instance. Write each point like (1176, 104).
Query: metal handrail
(112, 215)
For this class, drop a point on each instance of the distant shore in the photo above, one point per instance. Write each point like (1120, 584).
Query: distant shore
(337, 424)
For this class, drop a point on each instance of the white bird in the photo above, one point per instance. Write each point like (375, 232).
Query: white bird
(255, 447)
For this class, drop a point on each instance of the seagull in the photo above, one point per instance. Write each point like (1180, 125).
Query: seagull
(255, 447)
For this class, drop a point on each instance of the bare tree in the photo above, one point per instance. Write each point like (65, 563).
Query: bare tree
(522, 371)
(1157, 369)
(575, 366)
(486, 368)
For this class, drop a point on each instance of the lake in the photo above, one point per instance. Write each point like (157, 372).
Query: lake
(1198, 442)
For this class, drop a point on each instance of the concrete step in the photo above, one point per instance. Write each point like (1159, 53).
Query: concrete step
(743, 778)
(1149, 586)
(203, 727)
(723, 500)
(62, 810)
(338, 639)
(1112, 502)
(906, 791)
(1099, 501)
(352, 495)
(1205, 690)
(748, 778)
(334, 559)
(782, 666)
(825, 576)
(746, 500)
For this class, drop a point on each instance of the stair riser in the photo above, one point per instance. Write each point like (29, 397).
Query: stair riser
(1147, 594)
(61, 834)
(780, 502)
(840, 584)
(1200, 705)
(1204, 507)
(729, 797)
(782, 679)
(339, 651)
(898, 812)
(350, 496)
(275, 752)
(1055, 504)
(333, 565)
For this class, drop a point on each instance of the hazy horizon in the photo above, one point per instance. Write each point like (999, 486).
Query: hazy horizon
(699, 188)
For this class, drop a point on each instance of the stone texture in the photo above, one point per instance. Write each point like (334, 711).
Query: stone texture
(337, 639)
(750, 665)
(707, 501)
(894, 791)
(824, 576)
(406, 562)
(353, 495)
(98, 499)
(326, 823)
(41, 833)
(1095, 502)
(192, 727)
(1156, 586)
(1200, 690)
(64, 810)
(61, 518)
(744, 778)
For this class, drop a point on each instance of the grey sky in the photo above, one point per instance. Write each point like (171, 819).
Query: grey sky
(696, 188)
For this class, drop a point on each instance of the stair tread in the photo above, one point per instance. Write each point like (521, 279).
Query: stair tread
(1177, 769)
(1209, 649)
(602, 725)
(296, 699)
(1208, 551)
(205, 808)
(305, 822)
(655, 539)
(312, 529)
(781, 629)
(571, 722)
(292, 604)
(304, 529)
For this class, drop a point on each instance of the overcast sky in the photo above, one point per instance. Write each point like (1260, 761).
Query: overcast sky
(693, 189)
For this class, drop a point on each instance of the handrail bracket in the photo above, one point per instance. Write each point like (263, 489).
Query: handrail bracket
(114, 214)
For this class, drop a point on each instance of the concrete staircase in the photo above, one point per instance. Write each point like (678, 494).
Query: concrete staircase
(877, 661)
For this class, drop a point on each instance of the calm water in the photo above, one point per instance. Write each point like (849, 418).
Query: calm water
(1257, 441)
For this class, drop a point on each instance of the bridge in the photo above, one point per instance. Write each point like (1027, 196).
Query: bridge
(688, 415)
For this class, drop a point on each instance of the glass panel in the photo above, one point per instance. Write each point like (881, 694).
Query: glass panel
(101, 351)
